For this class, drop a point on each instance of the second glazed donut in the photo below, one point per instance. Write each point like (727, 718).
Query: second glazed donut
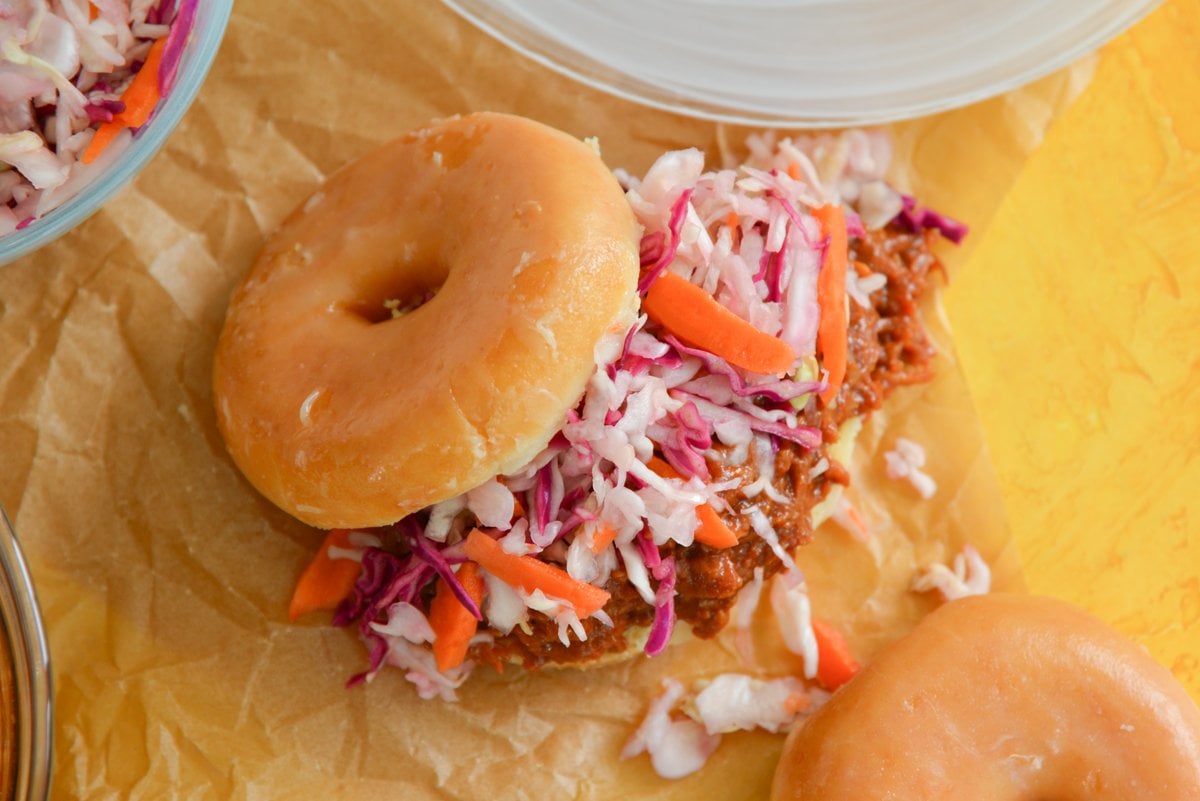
(1001, 698)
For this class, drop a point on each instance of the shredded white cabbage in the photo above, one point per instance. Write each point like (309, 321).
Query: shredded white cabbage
(744, 607)
(737, 702)
(405, 620)
(682, 729)
(969, 575)
(905, 461)
(678, 746)
(793, 614)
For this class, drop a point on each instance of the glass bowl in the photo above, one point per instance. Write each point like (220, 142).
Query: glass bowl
(26, 709)
(803, 63)
(211, 19)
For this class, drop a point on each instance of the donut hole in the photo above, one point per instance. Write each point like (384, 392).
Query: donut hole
(379, 304)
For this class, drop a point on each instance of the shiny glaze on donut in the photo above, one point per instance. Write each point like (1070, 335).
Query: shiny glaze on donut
(1001, 698)
(515, 253)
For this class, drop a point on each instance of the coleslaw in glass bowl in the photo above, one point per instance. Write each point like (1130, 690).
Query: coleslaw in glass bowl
(89, 91)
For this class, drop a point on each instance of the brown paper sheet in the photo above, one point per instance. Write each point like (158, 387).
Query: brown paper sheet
(164, 577)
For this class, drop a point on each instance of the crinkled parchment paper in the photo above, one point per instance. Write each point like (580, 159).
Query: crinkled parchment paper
(164, 577)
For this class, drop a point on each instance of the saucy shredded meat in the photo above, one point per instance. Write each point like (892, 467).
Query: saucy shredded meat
(888, 348)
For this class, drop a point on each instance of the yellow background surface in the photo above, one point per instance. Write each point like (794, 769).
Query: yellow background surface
(1077, 319)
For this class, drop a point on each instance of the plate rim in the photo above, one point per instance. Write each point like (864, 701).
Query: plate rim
(620, 84)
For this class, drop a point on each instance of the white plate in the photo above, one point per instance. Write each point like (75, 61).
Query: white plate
(811, 63)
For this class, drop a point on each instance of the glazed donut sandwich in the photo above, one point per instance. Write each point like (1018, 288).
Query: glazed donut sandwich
(551, 414)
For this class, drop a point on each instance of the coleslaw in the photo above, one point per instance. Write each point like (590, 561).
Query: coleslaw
(66, 68)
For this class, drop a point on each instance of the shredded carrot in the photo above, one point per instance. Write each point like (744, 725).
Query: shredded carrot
(518, 508)
(836, 664)
(602, 538)
(691, 314)
(831, 296)
(452, 623)
(100, 140)
(531, 574)
(712, 530)
(662, 467)
(734, 223)
(326, 581)
(140, 98)
(862, 269)
(793, 170)
(142, 95)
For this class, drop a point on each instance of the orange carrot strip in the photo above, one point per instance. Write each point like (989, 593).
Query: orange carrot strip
(734, 223)
(530, 574)
(142, 95)
(100, 140)
(793, 170)
(140, 98)
(831, 296)
(662, 468)
(836, 664)
(691, 314)
(712, 530)
(452, 624)
(602, 538)
(326, 581)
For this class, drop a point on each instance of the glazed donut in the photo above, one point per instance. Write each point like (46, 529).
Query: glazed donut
(346, 414)
(1005, 698)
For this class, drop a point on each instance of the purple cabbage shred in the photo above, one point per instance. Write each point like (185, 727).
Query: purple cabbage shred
(688, 440)
(385, 579)
(648, 550)
(177, 38)
(664, 252)
(427, 551)
(779, 391)
(915, 219)
(664, 608)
